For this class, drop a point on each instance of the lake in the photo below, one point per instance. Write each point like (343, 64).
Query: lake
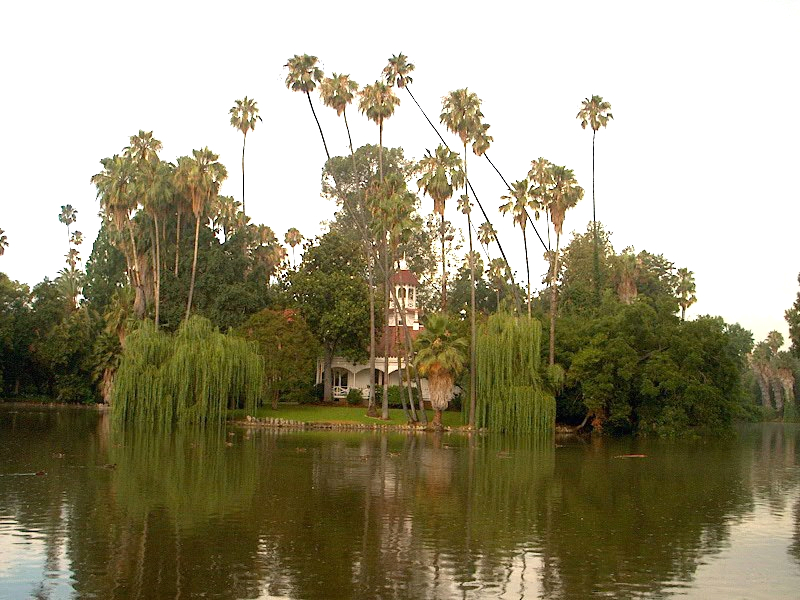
(87, 511)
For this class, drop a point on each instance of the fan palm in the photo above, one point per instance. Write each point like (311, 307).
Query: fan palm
(377, 102)
(337, 92)
(244, 115)
(441, 357)
(293, 238)
(461, 114)
(304, 75)
(68, 216)
(595, 113)
(519, 201)
(565, 195)
(3, 242)
(686, 290)
(441, 174)
(200, 176)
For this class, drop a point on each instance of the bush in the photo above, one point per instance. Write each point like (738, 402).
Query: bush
(319, 393)
(355, 397)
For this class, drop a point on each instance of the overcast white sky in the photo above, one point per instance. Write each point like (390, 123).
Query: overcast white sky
(701, 162)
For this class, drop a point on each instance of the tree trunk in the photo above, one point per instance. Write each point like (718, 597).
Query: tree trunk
(327, 377)
(594, 228)
(763, 385)
(139, 304)
(194, 266)
(472, 326)
(372, 410)
(407, 352)
(444, 272)
(527, 270)
(553, 301)
(313, 112)
(386, 285)
(244, 142)
(777, 394)
(158, 271)
(177, 242)
(437, 418)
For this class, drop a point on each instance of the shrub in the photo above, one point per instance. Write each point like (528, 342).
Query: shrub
(355, 397)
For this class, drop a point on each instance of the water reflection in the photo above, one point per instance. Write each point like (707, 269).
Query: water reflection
(263, 514)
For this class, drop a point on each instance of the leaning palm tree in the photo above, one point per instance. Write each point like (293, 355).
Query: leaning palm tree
(243, 117)
(595, 112)
(518, 203)
(461, 114)
(293, 238)
(304, 75)
(3, 242)
(337, 92)
(565, 195)
(201, 177)
(441, 357)
(441, 174)
(685, 290)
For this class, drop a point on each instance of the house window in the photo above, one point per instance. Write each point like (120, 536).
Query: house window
(340, 378)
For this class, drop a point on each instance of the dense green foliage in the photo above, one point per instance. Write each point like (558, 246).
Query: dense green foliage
(193, 376)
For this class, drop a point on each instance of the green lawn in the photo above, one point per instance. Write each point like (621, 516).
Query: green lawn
(307, 413)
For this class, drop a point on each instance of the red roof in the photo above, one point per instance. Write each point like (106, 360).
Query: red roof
(404, 277)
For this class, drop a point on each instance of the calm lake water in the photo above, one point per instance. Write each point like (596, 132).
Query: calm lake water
(271, 514)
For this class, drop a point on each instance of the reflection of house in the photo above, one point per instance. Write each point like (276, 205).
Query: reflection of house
(348, 375)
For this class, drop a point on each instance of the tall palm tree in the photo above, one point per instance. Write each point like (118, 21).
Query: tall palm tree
(540, 176)
(377, 102)
(518, 203)
(595, 112)
(685, 290)
(441, 356)
(118, 201)
(461, 114)
(498, 275)
(244, 115)
(337, 92)
(68, 216)
(565, 195)
(304, 75)
(151, 180)
(3, 242)
(293, 238)
(201, 176)
(441, 174)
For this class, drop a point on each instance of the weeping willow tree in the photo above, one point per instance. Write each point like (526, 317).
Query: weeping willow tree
(513, 395)
(193, 376)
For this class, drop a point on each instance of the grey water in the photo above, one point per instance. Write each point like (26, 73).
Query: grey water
(87, 511)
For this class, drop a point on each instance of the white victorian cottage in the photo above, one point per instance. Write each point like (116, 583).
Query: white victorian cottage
(348, 375)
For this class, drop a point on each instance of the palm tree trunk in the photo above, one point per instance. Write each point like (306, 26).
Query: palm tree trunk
(313, 112)
(553, 302)
(194, 266)
(444, 272)
(408, 354)
(386, 284)
(177, 242)
(527, 270)
(472, 326)
(350, 141)
(157, 271)
(244, 142)
(594, 228)
(139, 303)
(380, 149)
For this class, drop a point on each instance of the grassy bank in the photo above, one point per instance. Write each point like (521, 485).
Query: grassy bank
(307, 413)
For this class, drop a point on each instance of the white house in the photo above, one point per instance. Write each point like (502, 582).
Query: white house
(348, 375)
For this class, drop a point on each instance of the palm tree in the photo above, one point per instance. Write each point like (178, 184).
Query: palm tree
(498, 275)
(565, 195)
(293, 238)
(541, 177)
(685, 289)
(114, 188)
(441, 174)
(304, 75)
(337, 92)
(3, 242)
(441, 356)
(461, 114)
(68, 216)
(243, 117)
(518, 203)
(201, 177)
(377, 102)
(151, 182)
(595, 112)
